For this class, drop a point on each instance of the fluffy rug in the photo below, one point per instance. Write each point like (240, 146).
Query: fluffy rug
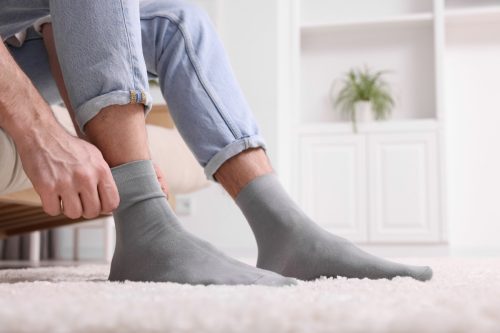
(464, 296)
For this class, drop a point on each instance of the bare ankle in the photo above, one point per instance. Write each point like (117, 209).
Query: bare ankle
(241, 169)
(119, 131)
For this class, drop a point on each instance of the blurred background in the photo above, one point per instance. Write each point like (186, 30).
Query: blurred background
(417, 174)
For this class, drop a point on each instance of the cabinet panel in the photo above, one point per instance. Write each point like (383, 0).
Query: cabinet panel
(403, 189)
(333, 183)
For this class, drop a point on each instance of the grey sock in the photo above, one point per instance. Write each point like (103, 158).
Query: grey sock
(291, 244)
(152, 246)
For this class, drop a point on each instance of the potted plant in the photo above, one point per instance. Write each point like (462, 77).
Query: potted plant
(364, 95)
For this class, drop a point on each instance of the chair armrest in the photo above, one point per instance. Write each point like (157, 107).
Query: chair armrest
(26, 197)
(160, 116)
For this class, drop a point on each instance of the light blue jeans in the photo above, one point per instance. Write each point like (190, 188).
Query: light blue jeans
(109, 49)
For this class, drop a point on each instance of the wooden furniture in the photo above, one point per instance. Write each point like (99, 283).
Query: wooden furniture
(21, 212)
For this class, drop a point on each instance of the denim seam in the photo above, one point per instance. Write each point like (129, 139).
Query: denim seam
(231, 150)
(89, 109)
(131, 62)
(201, 78)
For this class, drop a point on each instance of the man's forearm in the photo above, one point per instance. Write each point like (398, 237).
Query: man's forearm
(21, 106)
(69, 174)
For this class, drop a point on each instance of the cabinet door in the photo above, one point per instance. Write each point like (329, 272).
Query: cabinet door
(403, 187)
(333, 183)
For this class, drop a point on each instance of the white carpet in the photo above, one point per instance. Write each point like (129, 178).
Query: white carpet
(464, 296)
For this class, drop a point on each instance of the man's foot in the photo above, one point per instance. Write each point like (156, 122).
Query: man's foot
(152, 246)
(291, 244)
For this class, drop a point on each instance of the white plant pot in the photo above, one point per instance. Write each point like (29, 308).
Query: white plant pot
(364, 112)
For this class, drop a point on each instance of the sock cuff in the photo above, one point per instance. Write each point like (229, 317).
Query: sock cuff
(136, 181)
(131, 170)
(264, 183)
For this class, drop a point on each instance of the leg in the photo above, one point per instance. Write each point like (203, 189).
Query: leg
(241, 169)
(151, 244)
(182, 48)
(289, 242)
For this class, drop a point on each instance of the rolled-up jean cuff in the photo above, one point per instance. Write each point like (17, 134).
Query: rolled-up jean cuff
(118, 97)
(231, 150)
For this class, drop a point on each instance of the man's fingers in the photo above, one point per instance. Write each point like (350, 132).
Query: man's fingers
(51, 204)
(161, 179)
(91, 204)
(71, 205)
(108, 193)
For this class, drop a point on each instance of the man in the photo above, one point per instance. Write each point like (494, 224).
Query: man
(105, 52)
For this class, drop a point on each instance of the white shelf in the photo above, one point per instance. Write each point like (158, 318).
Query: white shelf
(413, 125)
(482, 13)
(326, 55)
(401, 20)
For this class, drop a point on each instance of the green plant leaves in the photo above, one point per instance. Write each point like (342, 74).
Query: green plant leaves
(363, 85)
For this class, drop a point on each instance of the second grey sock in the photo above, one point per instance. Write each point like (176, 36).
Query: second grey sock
(291, 244)
(151, 245)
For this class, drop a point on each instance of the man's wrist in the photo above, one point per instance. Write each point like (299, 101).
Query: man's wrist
(25, 117)
(21, 106)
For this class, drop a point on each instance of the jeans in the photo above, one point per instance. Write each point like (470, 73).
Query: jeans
(109, 49)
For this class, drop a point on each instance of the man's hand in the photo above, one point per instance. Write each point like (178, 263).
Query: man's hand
(161, 179)
(48, 38)
(68, 173)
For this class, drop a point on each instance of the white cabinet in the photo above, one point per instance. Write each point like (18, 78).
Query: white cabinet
(403, 187)
(383, 184)
(373, 187)
(333, 189)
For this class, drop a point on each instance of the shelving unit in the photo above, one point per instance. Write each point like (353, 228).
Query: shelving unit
(372, 127)
(326, 55)
(350, 182)
(469, 12)
(391, 21)
(313, 11)
(469, 4)
(399, 40)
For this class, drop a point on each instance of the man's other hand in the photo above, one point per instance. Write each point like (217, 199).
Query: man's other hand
(70, 174)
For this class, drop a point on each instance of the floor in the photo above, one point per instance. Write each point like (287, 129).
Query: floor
(18, 264)
(464, 296)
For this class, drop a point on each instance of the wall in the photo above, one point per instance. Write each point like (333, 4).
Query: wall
(473, 137)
